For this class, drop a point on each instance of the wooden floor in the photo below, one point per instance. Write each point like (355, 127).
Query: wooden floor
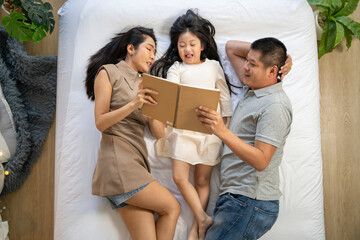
(340, 133)
(29, 210)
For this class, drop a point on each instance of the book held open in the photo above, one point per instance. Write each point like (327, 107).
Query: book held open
(177, 103)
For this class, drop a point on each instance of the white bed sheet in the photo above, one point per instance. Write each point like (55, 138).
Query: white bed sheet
(86, 25)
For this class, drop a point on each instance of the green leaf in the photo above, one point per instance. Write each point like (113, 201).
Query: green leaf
(353, 26)
(47, 6)
(16, 27)
(348, 37)
(335, 6)
(1, 2)
(323, 3)
(348, 9)
(16, 2)
(51, 22)
(52, 25)
(40, 14)
(328, 38)
(36, 12)
(325, 11)
(38, 34)
(327, 7)
(339, 33)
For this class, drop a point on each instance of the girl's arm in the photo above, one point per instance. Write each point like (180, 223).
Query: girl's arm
(103, 90)
(156, 128)
(173, 73)
(227, 121)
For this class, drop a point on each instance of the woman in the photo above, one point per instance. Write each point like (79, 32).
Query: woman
(122, 173)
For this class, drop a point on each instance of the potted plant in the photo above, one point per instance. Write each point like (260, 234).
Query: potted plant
(28, 19)
(336, 23)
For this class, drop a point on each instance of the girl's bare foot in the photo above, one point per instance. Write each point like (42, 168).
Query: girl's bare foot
(203, 227)
(193, 234)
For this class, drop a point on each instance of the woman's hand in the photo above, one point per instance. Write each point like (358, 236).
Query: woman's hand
(212, 120)
(144, 97)
(284, 70)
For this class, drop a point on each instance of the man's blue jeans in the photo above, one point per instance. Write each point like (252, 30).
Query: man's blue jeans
(240, 217)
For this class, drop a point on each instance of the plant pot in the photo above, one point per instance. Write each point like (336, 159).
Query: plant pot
(9, 7)
(2, 6)
(319, 29)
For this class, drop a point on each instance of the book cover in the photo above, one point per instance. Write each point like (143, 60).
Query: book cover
(177, 103)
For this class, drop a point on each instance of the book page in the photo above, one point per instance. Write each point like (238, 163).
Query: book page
(164, 111)
(191, 98)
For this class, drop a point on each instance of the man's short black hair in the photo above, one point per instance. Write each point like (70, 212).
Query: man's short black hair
(273, 51)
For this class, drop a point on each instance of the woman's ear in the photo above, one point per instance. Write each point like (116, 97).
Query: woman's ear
(130, 49)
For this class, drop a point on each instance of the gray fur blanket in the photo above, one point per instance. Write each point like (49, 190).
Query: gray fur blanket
(29, 86)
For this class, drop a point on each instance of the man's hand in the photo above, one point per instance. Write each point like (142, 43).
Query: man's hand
(284, 70)
(212, 120)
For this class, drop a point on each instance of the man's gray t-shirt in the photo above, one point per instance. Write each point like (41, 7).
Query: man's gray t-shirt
(263, 115)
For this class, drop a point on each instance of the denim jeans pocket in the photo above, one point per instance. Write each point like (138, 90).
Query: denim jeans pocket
(262, 220)
(237, 198)
(227, 203)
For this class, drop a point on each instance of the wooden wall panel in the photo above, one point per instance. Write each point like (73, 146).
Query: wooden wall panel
(340, 132)
(30, 210)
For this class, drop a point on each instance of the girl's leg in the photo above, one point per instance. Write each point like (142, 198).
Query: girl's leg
(156, 197)
(181, 171)
(139, 221)
(202, 185)
(194, 231)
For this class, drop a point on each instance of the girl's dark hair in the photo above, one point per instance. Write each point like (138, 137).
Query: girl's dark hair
(198, 26)
(114, 52)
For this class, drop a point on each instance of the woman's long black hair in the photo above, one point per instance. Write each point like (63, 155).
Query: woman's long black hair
(114, 52)
(198, 26)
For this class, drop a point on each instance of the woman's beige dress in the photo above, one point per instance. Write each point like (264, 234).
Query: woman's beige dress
(122, 164)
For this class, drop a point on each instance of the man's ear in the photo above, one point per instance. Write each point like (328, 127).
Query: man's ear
(274, 71)
(130, 49)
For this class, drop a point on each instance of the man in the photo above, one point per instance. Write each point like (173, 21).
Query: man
(248, 205)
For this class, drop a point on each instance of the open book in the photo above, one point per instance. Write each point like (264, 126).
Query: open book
(177, 103)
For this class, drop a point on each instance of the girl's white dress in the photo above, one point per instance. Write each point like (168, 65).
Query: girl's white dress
(189, 146)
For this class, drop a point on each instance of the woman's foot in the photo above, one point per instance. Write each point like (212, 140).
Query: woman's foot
(193, 234)
(203, 227)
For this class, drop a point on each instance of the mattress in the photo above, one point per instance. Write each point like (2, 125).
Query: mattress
(87, 25)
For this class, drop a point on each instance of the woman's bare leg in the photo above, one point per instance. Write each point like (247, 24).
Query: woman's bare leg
(139, 221)
(181, 171)
(157, 198)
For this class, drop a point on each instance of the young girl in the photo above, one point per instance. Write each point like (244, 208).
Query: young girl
(122, 172)
(192, 58)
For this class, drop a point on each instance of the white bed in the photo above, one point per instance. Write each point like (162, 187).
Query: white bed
(86, 25)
